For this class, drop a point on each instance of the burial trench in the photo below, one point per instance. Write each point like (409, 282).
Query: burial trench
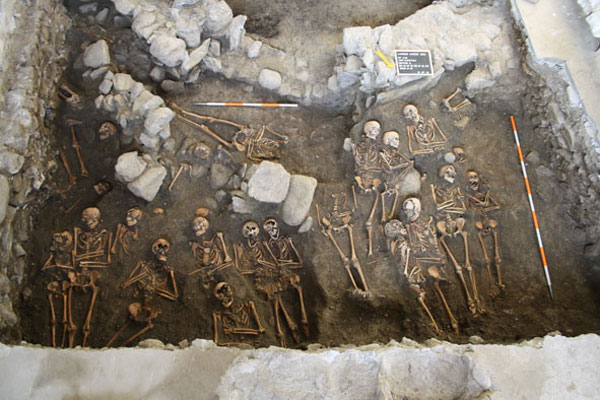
(496, 72)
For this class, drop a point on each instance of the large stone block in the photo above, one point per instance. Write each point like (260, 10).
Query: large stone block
(129, 166)
(297, 203)
(149, 183)
(169, 50)
(96, 54)
(270, 183)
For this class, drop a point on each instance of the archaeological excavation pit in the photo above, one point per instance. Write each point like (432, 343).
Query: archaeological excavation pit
(351, 203)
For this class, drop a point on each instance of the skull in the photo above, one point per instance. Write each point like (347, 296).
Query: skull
(412, 208)
(201, 151)
(160, 248)
(224, 293)
(200, 225)
(448, 173)
(102, 187)
(372, 129)
(62, 240)
(106, 130)
(394, 229)
(91, 217)
(250, 230)
(473, 180)
(133, 216)
(271, 227)
(459, 153)
(392, 139)
(411, 113)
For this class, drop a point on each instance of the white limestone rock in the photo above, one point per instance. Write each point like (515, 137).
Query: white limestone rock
(188, 27)
(123, 82)
(218, 16)
(126, 7)
(195, 57)
(479, 79)
(357, 39)
(212, 64)
(411, 184)
(105, 87)
(157, 119)
(96, 54)
(145, 102)
(254, 49)
(270, 183)
(4, 197)
(157, 74)
(148, 184)
(129, 167)
(306, 225)
(167, 49)
(149, 142)
(269, 79)
(145, 24)
(10, 162)
(299, 198)
(101, 16)
(236, 31)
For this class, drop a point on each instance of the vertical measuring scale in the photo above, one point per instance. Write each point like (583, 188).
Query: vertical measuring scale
(533, 214)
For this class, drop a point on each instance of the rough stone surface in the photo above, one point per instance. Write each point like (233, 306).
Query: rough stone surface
(269, 79)
(129, 166)
(96, 54)
(4, 197)
(549, 368)
(168, 50)
(270, 183)
(148, 184)
(411, 184)
(158, 119)
(297, 203)
(306, 225)
(10, 162)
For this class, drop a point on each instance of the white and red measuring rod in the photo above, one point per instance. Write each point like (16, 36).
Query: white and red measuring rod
(238, 104)
(533, 214)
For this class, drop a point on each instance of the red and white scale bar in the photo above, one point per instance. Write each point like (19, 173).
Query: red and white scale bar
(533, 214)
(238, 104)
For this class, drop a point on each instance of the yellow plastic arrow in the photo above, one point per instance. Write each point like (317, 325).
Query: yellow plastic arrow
(384, 58)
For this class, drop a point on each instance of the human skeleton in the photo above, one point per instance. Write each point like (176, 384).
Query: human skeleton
(127, 232)
(423, 136)
(233, 318)
(415, 245)
(74, 260)
(155, 278)
(483, 204)
(210, 253)
(270, 277)
(450, 207)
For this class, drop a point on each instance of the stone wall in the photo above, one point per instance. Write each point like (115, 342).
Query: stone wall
(544, 368)
(32, 36)
(559, 115)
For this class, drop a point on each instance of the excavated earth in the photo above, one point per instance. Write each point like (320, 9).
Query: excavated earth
(337, 315)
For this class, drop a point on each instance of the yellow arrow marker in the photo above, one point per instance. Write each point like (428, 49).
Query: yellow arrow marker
(384, 58)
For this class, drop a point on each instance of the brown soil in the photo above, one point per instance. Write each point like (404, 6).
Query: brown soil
(337, 315)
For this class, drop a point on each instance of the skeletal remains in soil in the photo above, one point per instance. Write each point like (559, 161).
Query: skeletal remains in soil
(482, 204)
(423, 136)
(451, 208)
(210, 254)
(415, 245)
(459, 106)
(338, 219)
(74, 261)
(127, 232)
(269, 262)
(155, 278)
(261, 144)
(233, 317)
(107, 130)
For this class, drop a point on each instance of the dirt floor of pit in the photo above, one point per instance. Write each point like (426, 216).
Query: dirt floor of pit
(337, 315)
